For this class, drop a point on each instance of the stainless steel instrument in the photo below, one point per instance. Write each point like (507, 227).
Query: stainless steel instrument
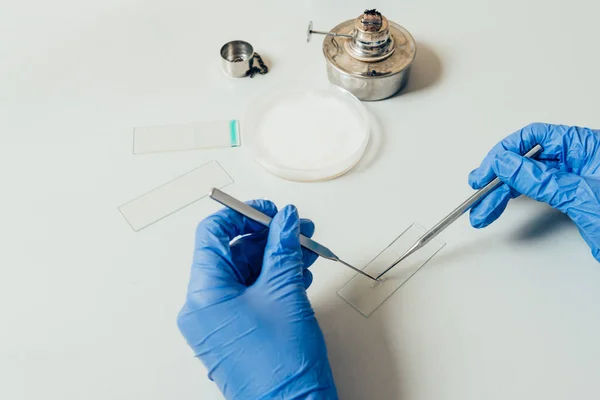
(263, 219)
(454, 215)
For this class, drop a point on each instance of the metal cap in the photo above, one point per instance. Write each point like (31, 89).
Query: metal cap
(237, 58)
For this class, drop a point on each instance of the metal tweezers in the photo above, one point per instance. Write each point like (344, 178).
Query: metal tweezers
(324, 252)
(454, 215)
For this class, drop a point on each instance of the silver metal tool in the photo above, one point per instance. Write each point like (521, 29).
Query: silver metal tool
(263, 219)
(454, 215)
(310, 31)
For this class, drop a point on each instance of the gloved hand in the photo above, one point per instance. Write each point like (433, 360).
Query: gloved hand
(566, 175)
(247, 315)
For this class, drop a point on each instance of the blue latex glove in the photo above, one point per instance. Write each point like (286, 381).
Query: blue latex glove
(566, 176)
(247, 315)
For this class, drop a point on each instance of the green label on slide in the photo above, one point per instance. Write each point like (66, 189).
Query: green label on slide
(234, 134)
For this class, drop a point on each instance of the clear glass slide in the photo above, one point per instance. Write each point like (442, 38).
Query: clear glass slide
(199, 135)
(366, 295)
(174, 195)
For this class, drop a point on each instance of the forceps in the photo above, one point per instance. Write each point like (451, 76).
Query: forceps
(454, 215)
(263, 219)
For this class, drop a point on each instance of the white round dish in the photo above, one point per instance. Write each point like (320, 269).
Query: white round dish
(305, 134)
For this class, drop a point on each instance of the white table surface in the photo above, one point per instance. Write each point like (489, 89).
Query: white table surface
(88, 307)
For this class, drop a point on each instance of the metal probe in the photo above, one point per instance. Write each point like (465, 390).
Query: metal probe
(454, 215)
(310, 31)
(263, 219)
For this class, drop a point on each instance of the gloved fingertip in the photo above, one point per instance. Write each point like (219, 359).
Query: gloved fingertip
(307, 277)
(490, 207)
(291, 211)
(596, 254)
(477, 219)
(475, 180)
(286, 224)
(287, 213)
(292, 216)
(307, 227)
(283, 255)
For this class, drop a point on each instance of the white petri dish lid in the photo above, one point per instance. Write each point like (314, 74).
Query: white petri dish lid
(305, 134)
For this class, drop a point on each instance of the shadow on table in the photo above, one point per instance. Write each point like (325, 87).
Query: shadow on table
(426, 70)
(535, 227)
(543, 225)
(360, 355)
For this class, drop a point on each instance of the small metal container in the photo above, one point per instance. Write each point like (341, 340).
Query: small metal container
(368, 56)
(237, 58)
